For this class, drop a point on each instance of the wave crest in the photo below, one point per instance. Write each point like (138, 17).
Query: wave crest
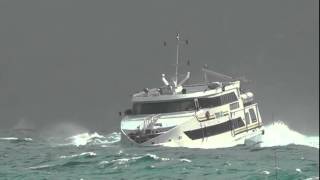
(85, 154)
(93, 138)
(279, 134)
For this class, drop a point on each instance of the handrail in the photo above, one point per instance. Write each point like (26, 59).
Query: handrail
(149, 121)
(232, 129)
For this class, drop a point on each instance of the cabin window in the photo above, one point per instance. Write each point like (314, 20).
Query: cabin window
(209, 102)
(217, 101)
(163, 107)
(234, 124)
(228, 98)
(234, 106)
(253, 115)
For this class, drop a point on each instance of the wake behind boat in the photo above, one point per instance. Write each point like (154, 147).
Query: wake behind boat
(204, 115)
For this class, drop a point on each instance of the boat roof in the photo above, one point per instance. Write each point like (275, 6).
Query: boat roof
(166, 93)
(177, 89)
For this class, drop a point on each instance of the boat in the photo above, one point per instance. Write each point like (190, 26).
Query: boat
(208, 115)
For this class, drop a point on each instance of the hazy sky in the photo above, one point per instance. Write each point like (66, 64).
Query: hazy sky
(79, 61)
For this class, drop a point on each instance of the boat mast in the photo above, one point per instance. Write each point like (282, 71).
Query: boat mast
(177, 60)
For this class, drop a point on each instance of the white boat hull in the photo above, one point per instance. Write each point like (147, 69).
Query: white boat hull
(177, 137)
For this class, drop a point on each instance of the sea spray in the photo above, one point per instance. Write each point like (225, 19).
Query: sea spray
(93, 138)
(279, 134)
(276, 134)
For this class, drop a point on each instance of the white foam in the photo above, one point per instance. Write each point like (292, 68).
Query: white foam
(39, 167)
(279, 134)
(104, 162)
(186, 160)
(83, 139)
(126, 160)
(28, 139)
(298, 170)
(93, 138)
(82, 154)
(121, 161)
(155, 157)
(266, 172)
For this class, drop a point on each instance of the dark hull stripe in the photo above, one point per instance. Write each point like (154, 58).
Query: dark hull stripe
(215, 129)
(142, 138)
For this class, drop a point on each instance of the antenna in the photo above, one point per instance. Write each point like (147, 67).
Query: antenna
(176, 80)
(177, 60)
(205, 74)
(207, 71)
(222, 76)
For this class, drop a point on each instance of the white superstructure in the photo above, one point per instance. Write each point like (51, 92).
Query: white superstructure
(205, 115)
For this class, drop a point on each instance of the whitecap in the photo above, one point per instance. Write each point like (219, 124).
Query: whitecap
(266, 172)
(155, 157)
(298, 170)
(93, 138)
(165, 159)
(186, 160)
(83, 139)
(39, 167)
(82, 154)
(279, 134)
(126, 160)
(121, 161)
(104, 162)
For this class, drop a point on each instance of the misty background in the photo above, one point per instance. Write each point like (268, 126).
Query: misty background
(79, 61)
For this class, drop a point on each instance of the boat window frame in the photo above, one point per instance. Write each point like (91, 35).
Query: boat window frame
(221, 100)
(247, 118)
(253, 115)
(158, 110)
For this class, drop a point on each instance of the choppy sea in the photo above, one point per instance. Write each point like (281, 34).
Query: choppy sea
(284, 154)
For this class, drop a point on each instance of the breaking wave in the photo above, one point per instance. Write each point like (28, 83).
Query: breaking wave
(276, 134)
(93, 138)
(279, 134)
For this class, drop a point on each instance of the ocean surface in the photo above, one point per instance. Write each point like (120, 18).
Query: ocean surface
(285, 154)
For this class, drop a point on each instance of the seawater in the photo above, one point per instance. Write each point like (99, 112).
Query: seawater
(285, 154)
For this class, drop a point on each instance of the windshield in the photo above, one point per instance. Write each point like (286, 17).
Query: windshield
(217, 101)
(163, 107)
